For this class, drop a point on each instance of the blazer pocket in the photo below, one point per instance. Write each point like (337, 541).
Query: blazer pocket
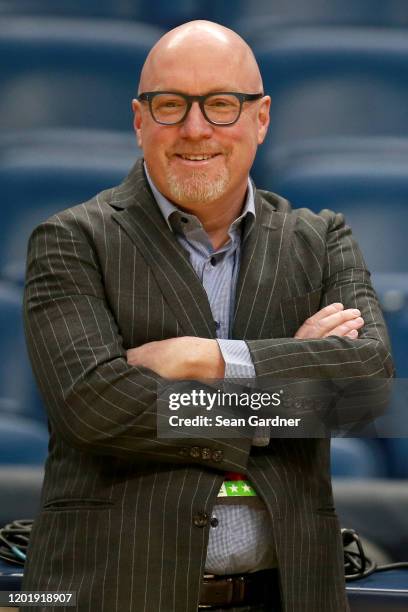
(61, 505)
(295, 310)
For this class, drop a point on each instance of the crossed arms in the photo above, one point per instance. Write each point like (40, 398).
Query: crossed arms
(102, 399)
(187, 357)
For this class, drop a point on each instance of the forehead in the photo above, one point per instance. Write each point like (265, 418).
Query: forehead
(198, 70)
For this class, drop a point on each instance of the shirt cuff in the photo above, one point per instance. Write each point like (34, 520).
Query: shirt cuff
(238, 364)
(238, 360)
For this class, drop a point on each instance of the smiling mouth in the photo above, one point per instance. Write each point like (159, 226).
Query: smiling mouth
(200, 157)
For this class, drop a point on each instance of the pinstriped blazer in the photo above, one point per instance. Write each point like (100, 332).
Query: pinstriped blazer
(124, 515)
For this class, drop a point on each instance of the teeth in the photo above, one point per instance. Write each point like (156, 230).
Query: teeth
(196, 157)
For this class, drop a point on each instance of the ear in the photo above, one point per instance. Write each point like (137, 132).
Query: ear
(263, 118)
(137, 121)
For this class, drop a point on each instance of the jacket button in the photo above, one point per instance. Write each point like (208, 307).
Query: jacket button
(183, 452)
(217, 455)
(200, 519)
(195, 452)
(206, 453)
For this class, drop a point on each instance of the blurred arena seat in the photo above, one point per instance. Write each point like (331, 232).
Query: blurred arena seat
(20, 489)
(42, 173)
(251, 18)
(328, 82)
(70, 73)
(397, 454)
(160, 12)
(392, 289)
(18, 391)
(357, 458)
(377, 509)
(364, 178)
(22, 441)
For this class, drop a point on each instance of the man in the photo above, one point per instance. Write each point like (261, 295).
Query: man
(186, 271)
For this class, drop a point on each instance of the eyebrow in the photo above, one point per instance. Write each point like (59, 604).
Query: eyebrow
(209, 91)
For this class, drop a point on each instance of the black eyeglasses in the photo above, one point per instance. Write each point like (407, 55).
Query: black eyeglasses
(221, 108)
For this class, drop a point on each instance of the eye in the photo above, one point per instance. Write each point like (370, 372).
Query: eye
(165, 102)
(172, 103)
(220, 102)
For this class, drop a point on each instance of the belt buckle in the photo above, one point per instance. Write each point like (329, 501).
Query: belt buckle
(239, 590)
(210, 577)
(204, 606)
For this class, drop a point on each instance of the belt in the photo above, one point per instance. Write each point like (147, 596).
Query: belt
(247, 589)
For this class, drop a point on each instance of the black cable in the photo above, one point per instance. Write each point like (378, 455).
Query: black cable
(390, 566)
(356, 564)
(14, 541)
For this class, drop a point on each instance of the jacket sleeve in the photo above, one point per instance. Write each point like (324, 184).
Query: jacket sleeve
(95, 400)
(345, 279)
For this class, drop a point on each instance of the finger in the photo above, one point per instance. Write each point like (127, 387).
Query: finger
(353, 334)
(327, 310)
(339, 318)
(345, 328)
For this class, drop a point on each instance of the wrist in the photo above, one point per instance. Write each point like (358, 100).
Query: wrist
(206, 360)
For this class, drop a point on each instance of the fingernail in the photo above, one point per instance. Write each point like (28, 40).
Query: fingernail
(353, 333)
(356, 312)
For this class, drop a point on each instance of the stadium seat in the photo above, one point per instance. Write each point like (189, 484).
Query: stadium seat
(18, 391)
(22, 441)
(70, 72)
(252, 18)
(160, 12)
(20, 489)
(376, 509)
(397, 453)
(392, 289)
(42, 173)
(357, 458)
(364, 178)
(328, 82)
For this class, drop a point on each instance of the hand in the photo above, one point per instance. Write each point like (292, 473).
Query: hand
(181, 358)
(332, 320)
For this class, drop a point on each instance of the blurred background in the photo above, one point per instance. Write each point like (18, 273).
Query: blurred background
(337, 71)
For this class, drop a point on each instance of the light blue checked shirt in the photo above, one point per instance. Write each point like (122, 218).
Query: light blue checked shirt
(241, 540)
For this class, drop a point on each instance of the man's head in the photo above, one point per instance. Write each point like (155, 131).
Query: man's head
(199, 58)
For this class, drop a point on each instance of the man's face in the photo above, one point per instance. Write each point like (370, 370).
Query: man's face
(229, 151)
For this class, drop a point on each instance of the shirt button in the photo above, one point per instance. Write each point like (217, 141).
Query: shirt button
(206, 453)
(214, 522)
(195, 452)
(200, 519)
(217, 455)
(217, 324)
(213, 261)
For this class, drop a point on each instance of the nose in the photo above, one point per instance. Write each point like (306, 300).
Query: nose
(195, 126)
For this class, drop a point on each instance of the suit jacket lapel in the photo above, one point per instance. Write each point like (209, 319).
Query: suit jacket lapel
(262, 272)
(139, 216)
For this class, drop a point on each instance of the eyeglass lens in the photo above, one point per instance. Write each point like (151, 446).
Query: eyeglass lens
(219, 108)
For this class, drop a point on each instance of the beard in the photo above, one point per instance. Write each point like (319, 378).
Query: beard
(197, 187)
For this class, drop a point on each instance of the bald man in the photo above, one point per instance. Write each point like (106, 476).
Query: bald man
(187, 271)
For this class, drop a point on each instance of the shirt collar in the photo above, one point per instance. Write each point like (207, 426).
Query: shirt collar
(168, 209)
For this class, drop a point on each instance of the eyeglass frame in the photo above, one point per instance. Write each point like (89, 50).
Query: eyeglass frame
(147, 96)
